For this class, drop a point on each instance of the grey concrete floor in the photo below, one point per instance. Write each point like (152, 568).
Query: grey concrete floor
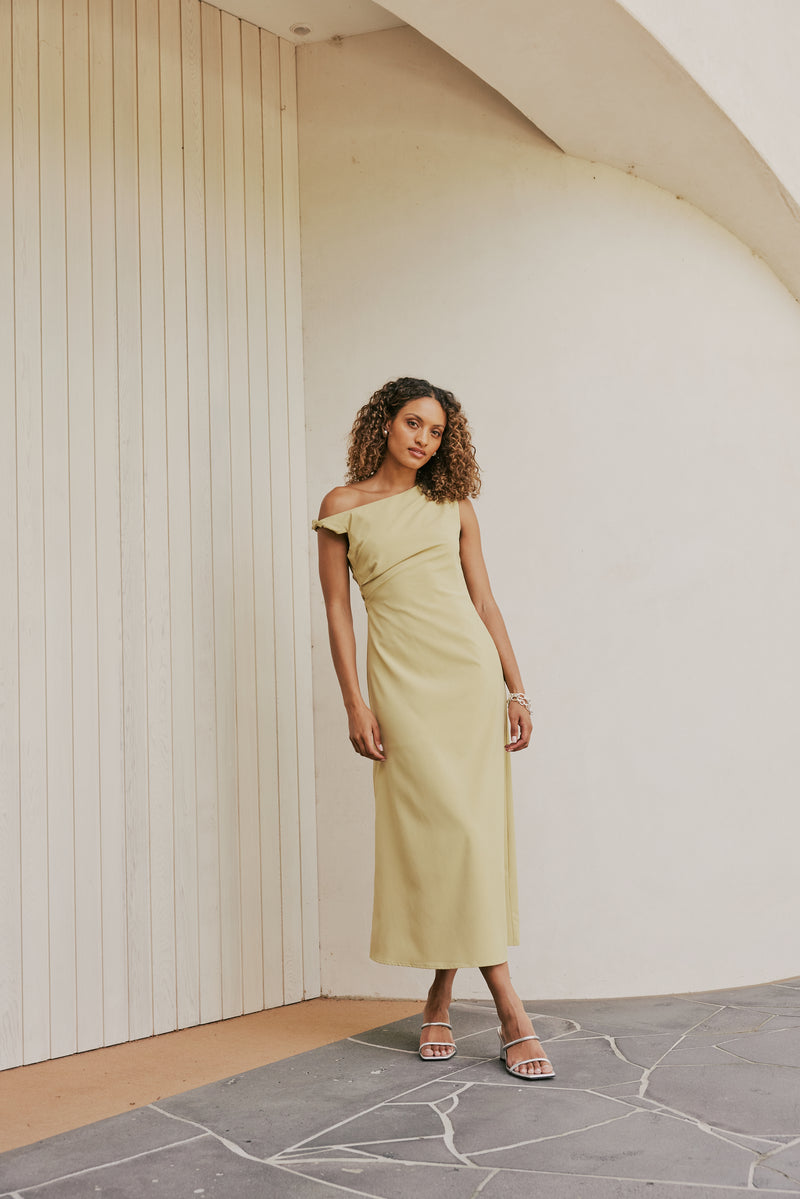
(663, 1097)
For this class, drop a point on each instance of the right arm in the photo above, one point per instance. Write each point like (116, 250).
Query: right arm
(364, 732)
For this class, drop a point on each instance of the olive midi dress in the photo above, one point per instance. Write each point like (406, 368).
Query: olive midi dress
(445, 892)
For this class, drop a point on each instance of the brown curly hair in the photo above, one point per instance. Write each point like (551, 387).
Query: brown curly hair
(451, 474)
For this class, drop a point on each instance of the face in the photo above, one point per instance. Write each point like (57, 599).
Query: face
(415, 434)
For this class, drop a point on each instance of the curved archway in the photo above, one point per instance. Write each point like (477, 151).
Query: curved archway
(599, 84)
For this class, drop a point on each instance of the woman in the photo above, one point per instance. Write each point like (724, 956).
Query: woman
(437, 657)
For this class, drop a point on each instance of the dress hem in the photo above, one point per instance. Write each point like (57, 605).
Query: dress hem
(461, 965)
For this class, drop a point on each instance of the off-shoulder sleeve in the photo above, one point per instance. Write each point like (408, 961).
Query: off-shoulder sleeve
(338, 523)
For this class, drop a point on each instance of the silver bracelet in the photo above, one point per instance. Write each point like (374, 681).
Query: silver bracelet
(521, 698)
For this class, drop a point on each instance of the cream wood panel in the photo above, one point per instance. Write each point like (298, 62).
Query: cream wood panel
(10, 911)
(58, 603)
(208, 864)
(108, 553)
(301, 616)
(235, 36)
(131, 473)
(187, 996)
(83, 531)
(156, 530)
(262, 119)
(157, 843)
(221, 531)
(34, 881)
(281, 559)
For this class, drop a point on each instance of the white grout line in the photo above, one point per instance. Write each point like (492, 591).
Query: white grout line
(449, 1131)
(556, 1136)
(326, 1182)
(107, 1165)
(481, 1185)
(234, 1148)
(649, 1069)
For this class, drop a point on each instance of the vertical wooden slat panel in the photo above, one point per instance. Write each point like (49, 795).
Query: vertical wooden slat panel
(208, 864)
(262, 120)
(10, 908)
(156, 541)
(111, 763)
(298, 520)
(58, 600)
(230, 905)
(242, 513)
(280, 487)
(32, 684)
(159, 841)
(134, 623)
(88, 922)
(180, 558)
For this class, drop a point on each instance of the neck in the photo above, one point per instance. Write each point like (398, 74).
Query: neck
(391, 476)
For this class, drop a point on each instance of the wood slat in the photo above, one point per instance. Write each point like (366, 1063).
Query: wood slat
(10, 889)
(234, 84)
(83, 536)
(221, 515)
(280, 485)
(262, 127)
(34, 882)
(180, 557)
(156, 522)
(108, 519)
(208, 862)
(298, 519)
(131, 459)
(56, 491)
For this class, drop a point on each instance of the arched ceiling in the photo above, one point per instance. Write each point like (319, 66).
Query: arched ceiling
(598, 83)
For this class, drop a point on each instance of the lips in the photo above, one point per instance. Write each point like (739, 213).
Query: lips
(416, 453)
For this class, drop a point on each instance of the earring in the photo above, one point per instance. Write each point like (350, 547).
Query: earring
(386, 432)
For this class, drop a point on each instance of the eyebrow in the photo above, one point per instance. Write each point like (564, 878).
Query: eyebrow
(418, 417)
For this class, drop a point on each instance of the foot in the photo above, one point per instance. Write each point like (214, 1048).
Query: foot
(519, 1025)
(436, 1011)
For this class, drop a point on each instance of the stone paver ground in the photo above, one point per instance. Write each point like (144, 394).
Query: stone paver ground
(657, 1098)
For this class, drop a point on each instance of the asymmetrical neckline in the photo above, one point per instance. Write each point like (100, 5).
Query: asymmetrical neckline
(371, 504)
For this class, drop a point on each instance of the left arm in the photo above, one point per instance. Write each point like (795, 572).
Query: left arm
(480, 592)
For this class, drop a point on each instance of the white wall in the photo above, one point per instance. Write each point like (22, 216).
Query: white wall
(631, 371)
(157, 845)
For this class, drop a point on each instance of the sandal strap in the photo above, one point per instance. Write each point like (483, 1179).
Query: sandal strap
(448, 1044)
(527, 1060)
(437, 1024)
(519, 1041)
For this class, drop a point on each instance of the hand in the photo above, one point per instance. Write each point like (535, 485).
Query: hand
(365, 735)
(521, 724)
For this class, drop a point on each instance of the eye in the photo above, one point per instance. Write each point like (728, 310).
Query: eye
(437, 432)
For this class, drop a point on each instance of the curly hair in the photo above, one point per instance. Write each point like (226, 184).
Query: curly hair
(451, 474)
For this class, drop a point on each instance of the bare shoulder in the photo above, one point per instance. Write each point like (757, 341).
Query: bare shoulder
(340, 499)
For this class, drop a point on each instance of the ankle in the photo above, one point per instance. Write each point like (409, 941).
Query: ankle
(437, 1003)
(513, 1018)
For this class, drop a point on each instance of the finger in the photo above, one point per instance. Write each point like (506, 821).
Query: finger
(376, 738)
(377, 753)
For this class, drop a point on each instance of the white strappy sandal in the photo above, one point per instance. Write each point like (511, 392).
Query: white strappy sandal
(442, 1057)
(515, 1068)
